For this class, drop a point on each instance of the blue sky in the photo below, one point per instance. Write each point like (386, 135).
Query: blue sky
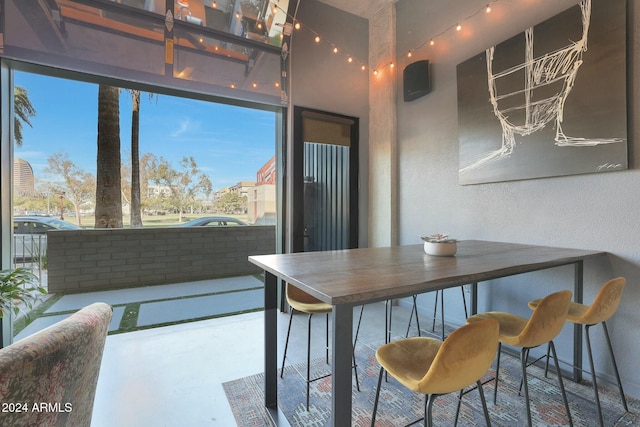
(229, 143)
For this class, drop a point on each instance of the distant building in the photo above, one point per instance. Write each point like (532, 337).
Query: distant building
(262, 198)
(267, 173)
(23, 179)
(158, 191)
(242, 189)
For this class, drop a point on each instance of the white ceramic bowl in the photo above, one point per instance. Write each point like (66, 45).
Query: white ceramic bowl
(441, 249)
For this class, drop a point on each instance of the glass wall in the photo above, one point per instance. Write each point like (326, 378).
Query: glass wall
(229, 48)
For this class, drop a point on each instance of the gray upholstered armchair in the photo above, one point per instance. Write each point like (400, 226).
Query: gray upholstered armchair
(50, 377)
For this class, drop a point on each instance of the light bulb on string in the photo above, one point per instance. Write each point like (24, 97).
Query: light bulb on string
(409, 54)
(432, 42)
(458, 27)
(488, 9)
(297, 26)
(363, 67)
(335, 49)
(350, 59)
(317, 39)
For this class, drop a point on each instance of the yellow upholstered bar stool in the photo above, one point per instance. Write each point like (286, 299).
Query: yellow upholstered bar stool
(305, 303)
(603, 307)
(433, 367)
(542, 327)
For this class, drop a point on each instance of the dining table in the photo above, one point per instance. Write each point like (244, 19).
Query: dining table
(351, 277)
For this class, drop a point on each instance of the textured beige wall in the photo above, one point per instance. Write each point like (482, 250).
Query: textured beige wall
(591, 211)
(383, 222)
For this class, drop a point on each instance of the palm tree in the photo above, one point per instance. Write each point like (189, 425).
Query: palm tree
(23, 111)
(136, 214)
(136, 205)
(108, 181)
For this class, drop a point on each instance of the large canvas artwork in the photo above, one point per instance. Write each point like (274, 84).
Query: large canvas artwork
(550, 101)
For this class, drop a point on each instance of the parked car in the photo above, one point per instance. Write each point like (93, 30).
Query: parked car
(30, 235)
(213, 221)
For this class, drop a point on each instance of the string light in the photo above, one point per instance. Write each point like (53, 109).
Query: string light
(431, 41)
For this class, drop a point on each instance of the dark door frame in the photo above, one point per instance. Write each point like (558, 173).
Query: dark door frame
(298, 173)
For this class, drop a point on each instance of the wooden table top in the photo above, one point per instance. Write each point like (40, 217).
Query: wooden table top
(364, 275)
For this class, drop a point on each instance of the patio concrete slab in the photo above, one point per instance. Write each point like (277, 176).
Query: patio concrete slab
(151, 293)
(44, 322)
(199, 307)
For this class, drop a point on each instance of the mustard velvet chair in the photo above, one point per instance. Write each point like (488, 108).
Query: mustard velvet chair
(433, 367)
(542, 327)
(303, 302)
(603, 307)
(57, 367)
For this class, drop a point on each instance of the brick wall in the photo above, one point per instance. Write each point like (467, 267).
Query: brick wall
(90, 260)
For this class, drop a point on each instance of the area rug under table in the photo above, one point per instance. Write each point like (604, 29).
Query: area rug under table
(399, 407)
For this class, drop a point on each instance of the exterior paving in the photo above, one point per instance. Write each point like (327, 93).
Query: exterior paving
(161, 305)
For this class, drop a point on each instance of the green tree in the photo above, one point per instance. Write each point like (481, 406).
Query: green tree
(108, 211)
(77, 186)
(232, 203)
(23, 112)
(185, 184)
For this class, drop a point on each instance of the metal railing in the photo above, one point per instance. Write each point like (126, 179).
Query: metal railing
(30, 251)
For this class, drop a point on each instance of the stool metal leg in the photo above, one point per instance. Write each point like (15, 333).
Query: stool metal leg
(593, 374)
(326, 332)
(524, 353)
(414, 309)
(484, 403)
(286, 343)
(495, 385)
(428, 405)
(308, 358)
(375, 402)
(615, 366)
(560, 382)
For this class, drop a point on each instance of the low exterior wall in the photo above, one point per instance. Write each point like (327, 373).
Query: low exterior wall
(90, 260)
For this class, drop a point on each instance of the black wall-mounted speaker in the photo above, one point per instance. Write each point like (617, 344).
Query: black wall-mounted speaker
(416, 80)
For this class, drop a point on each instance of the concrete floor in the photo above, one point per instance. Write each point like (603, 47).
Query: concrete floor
(173, 376)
